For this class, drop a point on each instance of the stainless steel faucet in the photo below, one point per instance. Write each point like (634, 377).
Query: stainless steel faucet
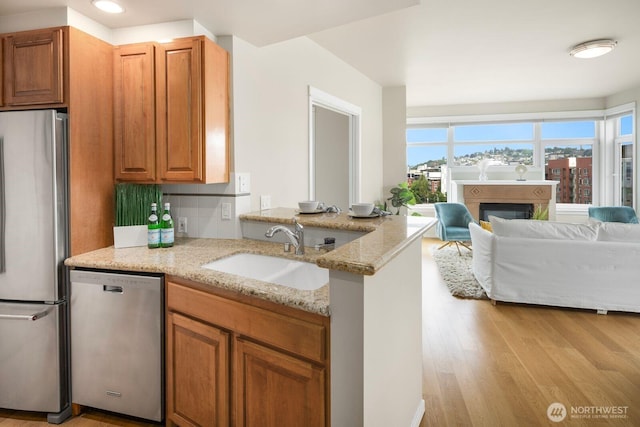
(295, 237)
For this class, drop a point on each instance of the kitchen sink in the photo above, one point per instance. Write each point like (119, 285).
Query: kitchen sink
(300, 275)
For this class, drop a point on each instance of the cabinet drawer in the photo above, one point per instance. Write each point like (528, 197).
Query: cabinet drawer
(298, 336)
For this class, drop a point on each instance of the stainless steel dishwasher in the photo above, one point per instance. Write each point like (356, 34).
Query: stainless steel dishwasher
(117, 331)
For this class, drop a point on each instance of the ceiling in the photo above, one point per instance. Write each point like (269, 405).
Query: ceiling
(445, 52)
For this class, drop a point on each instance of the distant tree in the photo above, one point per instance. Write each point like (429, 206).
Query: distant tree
(420, 189)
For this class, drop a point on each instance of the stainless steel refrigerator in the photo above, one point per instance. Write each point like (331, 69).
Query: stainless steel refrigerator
(34, 373)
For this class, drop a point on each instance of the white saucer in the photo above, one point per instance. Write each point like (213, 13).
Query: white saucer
(311, 212)
(371, 215)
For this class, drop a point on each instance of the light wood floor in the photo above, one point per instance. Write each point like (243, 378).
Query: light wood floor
(504, 365)
(499, 366)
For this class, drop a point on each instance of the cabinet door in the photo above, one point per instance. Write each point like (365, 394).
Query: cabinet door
(33, 67)
(273, 389)
(197, 373)
(134, 113)
(2, 73)
(180, 106)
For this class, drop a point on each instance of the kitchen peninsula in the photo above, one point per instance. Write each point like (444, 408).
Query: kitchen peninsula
(368, 318)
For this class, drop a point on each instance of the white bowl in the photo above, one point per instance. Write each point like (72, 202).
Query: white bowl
(308, 206)
(362, 209)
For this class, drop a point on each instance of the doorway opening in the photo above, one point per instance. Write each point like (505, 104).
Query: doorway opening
(334, 149)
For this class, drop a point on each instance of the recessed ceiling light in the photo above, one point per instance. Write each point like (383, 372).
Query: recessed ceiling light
(108, 6)
(593, 49)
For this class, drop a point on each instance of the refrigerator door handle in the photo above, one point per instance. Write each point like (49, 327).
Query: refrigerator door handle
(2, 209)
(30, 316)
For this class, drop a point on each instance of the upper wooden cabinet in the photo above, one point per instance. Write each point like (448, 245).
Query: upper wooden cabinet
(134, 112)
(33, 64)
(172, 112)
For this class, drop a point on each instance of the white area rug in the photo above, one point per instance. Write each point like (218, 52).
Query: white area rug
(457, 273)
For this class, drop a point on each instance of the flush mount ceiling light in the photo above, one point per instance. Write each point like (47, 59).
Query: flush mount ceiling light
(593, 49)
(108, 6)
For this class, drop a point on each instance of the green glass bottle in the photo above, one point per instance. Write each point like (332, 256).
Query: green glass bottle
(153, 228)
(166, 227)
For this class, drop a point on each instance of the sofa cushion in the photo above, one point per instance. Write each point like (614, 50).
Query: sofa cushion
(535, 229)
(618, 232)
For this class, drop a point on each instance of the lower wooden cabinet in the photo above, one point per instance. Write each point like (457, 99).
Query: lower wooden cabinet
(273, 389)
(234, 360)
(199, 361)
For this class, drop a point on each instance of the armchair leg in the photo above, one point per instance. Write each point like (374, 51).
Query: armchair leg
(466, 245)
(444, 244)
(457, 243)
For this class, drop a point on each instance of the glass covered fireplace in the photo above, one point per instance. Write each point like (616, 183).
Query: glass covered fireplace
(506, 210)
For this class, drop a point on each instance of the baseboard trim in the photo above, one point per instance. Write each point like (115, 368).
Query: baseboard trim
(417, 417)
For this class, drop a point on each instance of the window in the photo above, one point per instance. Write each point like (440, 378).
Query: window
(427, 150)
(569, 145)
(571, 150)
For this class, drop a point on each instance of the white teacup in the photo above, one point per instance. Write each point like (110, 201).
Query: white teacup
(362, 209)
(308, 206)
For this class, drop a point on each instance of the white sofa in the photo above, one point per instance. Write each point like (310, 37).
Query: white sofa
(591, 266)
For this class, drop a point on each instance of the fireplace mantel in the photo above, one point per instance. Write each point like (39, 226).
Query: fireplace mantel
(472, 193)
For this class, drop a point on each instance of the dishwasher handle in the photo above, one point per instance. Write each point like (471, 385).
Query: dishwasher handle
(112, 289)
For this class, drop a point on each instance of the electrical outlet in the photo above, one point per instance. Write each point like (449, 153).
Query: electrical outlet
(226, 211)
(182, 224)
(265, 202)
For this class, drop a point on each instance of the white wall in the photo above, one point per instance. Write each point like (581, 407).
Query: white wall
(270, 109)
(507, 108)
(394, 120)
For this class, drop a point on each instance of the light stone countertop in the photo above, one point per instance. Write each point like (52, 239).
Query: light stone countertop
(386, 237)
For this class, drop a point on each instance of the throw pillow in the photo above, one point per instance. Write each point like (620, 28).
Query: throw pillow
(534, 229)
(486, 225)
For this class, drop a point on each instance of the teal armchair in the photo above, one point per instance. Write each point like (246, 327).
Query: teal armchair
(453, 224)
(624, 214)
